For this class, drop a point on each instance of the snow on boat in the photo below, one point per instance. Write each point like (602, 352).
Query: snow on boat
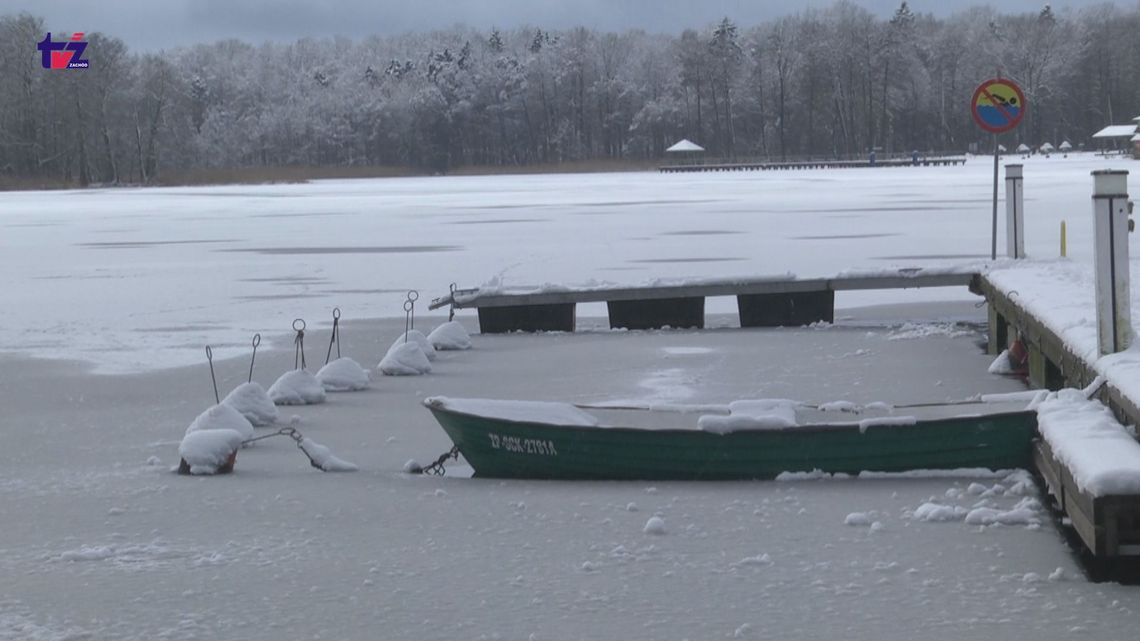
(743, 440)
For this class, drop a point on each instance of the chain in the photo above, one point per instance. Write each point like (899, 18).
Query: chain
(437, 469)
(451, 309)
(298, 439)
(291, 432)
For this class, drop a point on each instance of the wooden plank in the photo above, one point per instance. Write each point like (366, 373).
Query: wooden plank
(1049, 470)
(902, 280)
(1110, 520)
(1086, 528)
(728, 288)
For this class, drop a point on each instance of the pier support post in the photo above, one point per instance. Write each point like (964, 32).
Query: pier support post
(786, 310)
(999, 331)
(658, 312)
(1014, 212)
(527, 318)
(1113, 296)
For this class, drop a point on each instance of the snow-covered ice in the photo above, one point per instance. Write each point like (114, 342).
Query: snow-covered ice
(142, 249)
(343, 375)
(253, 402)
(346, 555)
(306, 542)
(297, 387)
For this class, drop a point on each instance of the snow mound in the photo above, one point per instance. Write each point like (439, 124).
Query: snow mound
(297, 387)
(209, 451)
(222, 417)
(343, 375)
(909, 331)
(937, 513)
(405, 359)
(811, 475)
(417, 337)
(450, 336)
(323, 457)
(655, 525)
(759, 559)
(839, 406)
(858, 518)
(761, 414)
(886, 421)
(1001, 364)
(1026, 512)
(1020, 483)
(253, 403)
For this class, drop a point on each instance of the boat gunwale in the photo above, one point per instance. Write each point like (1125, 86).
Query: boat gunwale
(808, 428)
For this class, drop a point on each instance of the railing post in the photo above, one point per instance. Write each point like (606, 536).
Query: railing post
(1110, 222)
(1014, 212)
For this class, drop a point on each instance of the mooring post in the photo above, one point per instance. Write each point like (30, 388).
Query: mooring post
(1110, 221)
(1014, 212)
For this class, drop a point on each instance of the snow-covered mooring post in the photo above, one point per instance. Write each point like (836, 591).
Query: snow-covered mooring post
(1110, 222)
(1014, 212)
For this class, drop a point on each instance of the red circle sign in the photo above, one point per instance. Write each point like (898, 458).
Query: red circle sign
(998, 105)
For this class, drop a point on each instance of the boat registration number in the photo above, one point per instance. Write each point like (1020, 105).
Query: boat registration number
(520, 445)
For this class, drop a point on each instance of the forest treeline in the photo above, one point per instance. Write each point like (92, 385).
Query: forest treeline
(832, 82)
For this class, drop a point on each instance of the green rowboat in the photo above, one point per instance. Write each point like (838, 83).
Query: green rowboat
(537, 440)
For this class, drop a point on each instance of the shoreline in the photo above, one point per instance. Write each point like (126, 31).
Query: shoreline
(302, 175)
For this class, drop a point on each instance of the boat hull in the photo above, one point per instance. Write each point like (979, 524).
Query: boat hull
(502, 448)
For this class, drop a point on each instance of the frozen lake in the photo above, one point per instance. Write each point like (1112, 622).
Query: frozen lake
(100, 544)
(141, 278)
(101, 541)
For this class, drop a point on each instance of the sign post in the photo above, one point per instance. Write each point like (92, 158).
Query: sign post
(1014, 212)
(998, 106)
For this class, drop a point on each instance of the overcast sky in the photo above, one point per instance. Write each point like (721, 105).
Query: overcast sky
(158, 24)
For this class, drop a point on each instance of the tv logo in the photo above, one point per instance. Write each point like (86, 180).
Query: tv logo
(67, 54)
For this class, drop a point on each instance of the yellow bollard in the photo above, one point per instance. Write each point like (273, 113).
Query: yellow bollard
(1062, 239)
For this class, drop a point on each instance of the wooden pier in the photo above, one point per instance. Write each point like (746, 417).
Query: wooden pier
(764, 302)
(1109, 526)
(812, 164)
